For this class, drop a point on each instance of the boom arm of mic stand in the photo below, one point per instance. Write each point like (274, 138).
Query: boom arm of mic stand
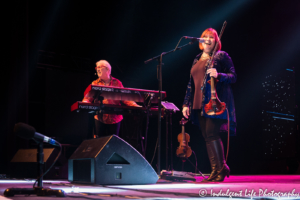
(165, 53)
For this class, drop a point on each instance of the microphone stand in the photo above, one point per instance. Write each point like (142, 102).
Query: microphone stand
(159, 77)
(39, 191)
(40, 163)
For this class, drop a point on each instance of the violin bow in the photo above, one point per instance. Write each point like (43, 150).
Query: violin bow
(213, 54)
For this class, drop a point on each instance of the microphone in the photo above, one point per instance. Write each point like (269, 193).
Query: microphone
(201, 40)
(28, 132)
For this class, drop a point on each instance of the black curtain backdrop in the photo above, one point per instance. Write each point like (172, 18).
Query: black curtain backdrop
(52, 47)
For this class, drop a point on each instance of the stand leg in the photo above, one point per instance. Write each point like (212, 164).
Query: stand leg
(167, 146)
(171, 140)
(159, 74)
(40, 164)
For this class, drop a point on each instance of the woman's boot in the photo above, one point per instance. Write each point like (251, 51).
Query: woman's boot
(218, 154)
(212, 161)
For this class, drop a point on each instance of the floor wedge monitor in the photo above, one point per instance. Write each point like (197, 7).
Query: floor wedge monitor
(109, 161)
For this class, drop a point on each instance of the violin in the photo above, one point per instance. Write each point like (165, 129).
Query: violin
(214, 106)
(184, 150)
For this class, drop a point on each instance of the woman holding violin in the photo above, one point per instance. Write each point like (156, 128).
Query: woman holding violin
(200, 92)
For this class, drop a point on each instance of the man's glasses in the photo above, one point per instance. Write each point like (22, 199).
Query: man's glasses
(100, 67)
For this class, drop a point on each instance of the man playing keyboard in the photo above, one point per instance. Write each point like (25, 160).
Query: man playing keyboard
(107, 124)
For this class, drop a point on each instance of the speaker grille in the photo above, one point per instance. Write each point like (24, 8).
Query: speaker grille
(117, 159)
(82, 170)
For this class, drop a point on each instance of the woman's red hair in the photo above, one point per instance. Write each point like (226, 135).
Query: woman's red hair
(215, 34)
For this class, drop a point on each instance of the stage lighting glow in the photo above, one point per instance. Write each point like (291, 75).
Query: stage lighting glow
(31, 181)
(16, 181)
(283, 118)
(167, 186)
(87, 189)
(214, 19)
(202, 198)
(280, 113)
(54, 181)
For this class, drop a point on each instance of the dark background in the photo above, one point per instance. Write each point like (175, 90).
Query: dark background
(52, 46)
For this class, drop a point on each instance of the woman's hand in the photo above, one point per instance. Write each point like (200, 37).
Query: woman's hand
(212, 72)
(186, 112)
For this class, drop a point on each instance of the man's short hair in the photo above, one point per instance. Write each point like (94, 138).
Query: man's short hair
(106, 64)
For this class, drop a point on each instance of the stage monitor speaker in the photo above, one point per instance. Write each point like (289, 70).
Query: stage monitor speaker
(109, 161)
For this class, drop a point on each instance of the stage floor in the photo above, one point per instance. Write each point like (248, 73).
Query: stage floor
(236, 186)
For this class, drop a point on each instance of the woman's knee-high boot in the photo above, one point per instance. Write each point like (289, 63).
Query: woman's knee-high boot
(212, 160)
(218, 153)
